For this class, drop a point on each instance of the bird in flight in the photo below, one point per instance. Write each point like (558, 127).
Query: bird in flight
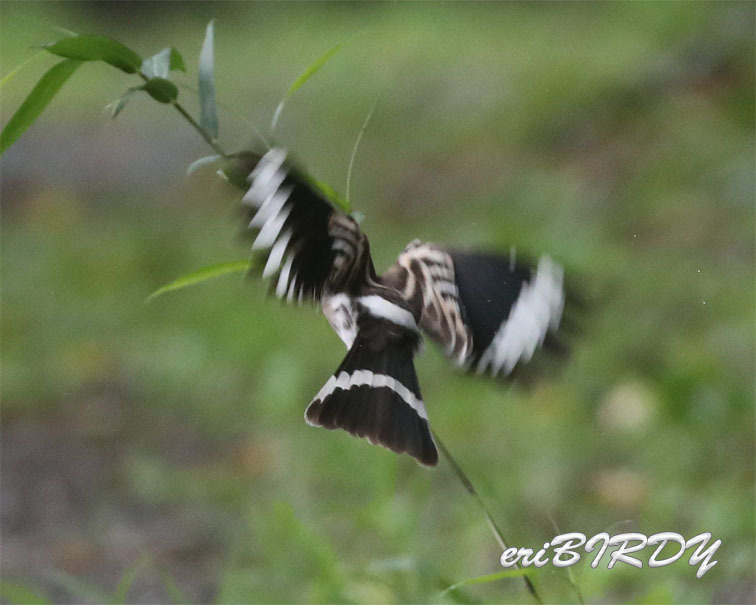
(488, 312)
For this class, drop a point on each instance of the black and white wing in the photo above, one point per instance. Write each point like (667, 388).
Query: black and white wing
(375, 392)
(489, 312)
(311, 247)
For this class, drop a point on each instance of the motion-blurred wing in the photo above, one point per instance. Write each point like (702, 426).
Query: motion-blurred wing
(375, 393)
(311, 247)
(489, 312)
(425, 275)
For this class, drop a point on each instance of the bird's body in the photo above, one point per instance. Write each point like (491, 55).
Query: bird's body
(488, 312)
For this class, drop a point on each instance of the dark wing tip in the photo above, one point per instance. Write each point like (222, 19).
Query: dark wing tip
(290, 222)
(310, 246)
(378, 415)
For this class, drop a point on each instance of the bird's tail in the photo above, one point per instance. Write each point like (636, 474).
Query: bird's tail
(374, 393)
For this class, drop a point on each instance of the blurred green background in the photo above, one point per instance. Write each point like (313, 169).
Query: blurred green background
(157, 452)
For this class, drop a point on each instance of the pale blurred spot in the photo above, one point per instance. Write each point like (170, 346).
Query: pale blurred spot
(620, 488)
(547, 401)
(87, 361)
(76, 556)
(254, 457)
(370, 591)
(100, 415)
(629, 406)
(57, 210)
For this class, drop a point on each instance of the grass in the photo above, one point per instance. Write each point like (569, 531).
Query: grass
(619, 139)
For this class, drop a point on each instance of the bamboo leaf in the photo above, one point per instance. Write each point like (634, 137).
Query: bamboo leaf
(324, 189)
(117, 106)
(127, 580)
(160, 89)
(277, 113)
(79, 588)
(237, 168)
(176, 595)
(493, 577)
(208, 116)
(34, 104)
(177, 61)
(19, 594)
(200, 275)
(332, 195)
(311, 70)
(64, 31)
(160, 64)
(204, 161)
(97, 48)
(354, 150)
(12, 73)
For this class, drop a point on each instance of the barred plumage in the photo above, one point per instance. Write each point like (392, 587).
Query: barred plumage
(488, 312)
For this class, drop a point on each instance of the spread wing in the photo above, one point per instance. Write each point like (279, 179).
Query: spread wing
(488, 312)
(311, 247)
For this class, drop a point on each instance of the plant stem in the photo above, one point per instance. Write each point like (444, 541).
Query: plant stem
(180, 108)
(210, 141)
(234, 113)
(354, 150)
(570, 576)
(470, 488)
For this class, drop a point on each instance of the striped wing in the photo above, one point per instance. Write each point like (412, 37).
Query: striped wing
(375, 392)
(426, 277)
(311, 247)
(488, 312)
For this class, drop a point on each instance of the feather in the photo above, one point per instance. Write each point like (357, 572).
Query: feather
(490, 313)
(324, 249)
(375, 393)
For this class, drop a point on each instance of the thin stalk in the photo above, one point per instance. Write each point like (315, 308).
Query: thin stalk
(208, 139)
(570, 576)
(470, 488)
(18, 67)
(356, 146)
(234, 113)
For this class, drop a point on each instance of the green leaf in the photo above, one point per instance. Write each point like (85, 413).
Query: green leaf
(80, 588)
(12, 73)
(160, 89)
(64, 31)
(237, 168)
(208, 116)
(331, 195)
(127, 580)
(117, 106)
(354, 149)
(196, 164)
(277, 113)
(176, 595)
(200, 275)
(313, 68)
(160, 64)
(35, 103)
(19, 594)
(493, 577)
(177, 61)
(97, 48)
